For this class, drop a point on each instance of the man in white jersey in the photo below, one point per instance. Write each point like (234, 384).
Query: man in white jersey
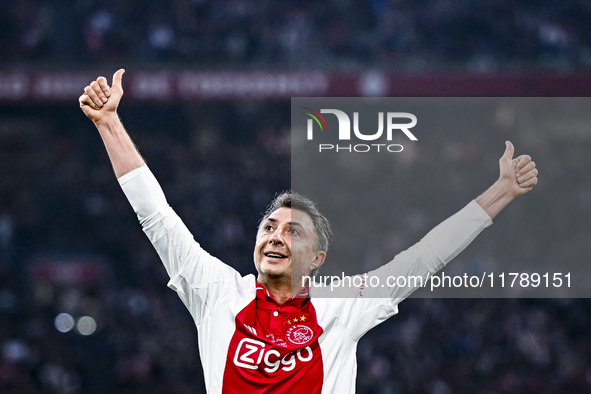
(268, 334)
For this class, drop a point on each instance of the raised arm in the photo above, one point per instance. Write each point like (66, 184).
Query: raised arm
(435, 250)
(99, 102)
(517, 177)
(200, 279)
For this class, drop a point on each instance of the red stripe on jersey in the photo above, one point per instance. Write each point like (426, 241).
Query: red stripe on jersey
(275, 349)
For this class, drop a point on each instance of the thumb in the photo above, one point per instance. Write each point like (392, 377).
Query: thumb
(117, 78)
(509, 150)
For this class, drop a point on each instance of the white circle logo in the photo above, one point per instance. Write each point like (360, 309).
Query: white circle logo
(299, 335)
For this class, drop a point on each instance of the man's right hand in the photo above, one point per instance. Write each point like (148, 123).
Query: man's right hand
(99, 100)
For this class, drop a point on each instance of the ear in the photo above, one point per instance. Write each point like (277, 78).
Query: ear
(319, 260)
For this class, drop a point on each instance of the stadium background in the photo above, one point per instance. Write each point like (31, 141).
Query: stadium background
(69, 242)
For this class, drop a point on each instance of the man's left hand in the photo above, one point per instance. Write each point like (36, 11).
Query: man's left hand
(519, 175)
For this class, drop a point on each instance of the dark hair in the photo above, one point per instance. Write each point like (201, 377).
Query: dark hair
(290, 199)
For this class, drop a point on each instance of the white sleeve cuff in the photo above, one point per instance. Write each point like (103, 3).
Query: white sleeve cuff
(143, 192)
(453, 235)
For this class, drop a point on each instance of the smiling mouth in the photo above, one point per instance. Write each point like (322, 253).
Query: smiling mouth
(274, 255)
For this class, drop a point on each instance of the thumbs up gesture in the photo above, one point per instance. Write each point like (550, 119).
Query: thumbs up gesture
(100, 100)
(519, 174)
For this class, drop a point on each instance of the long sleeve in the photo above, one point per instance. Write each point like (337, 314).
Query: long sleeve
(454, 234)
(432, 253)
(157, 218)
(200, 279)
(362, 307)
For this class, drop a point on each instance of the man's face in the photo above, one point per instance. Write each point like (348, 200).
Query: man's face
(285, 244)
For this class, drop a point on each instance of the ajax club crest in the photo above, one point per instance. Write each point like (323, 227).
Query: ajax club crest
(299, 334)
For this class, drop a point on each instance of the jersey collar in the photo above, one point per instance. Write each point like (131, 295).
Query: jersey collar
(268, 301)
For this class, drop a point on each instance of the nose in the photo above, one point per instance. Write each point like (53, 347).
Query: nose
(276, 238)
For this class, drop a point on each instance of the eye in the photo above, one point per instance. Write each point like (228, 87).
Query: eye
(268, 228)
(293, 231)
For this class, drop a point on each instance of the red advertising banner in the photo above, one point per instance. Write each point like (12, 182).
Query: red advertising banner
(57, 87)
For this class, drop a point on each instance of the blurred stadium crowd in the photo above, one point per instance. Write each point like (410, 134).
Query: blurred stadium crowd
(220, 163)
(60, 202)
(415, 36)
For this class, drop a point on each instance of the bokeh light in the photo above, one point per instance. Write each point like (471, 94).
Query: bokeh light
(64, 322)
(86, 325)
